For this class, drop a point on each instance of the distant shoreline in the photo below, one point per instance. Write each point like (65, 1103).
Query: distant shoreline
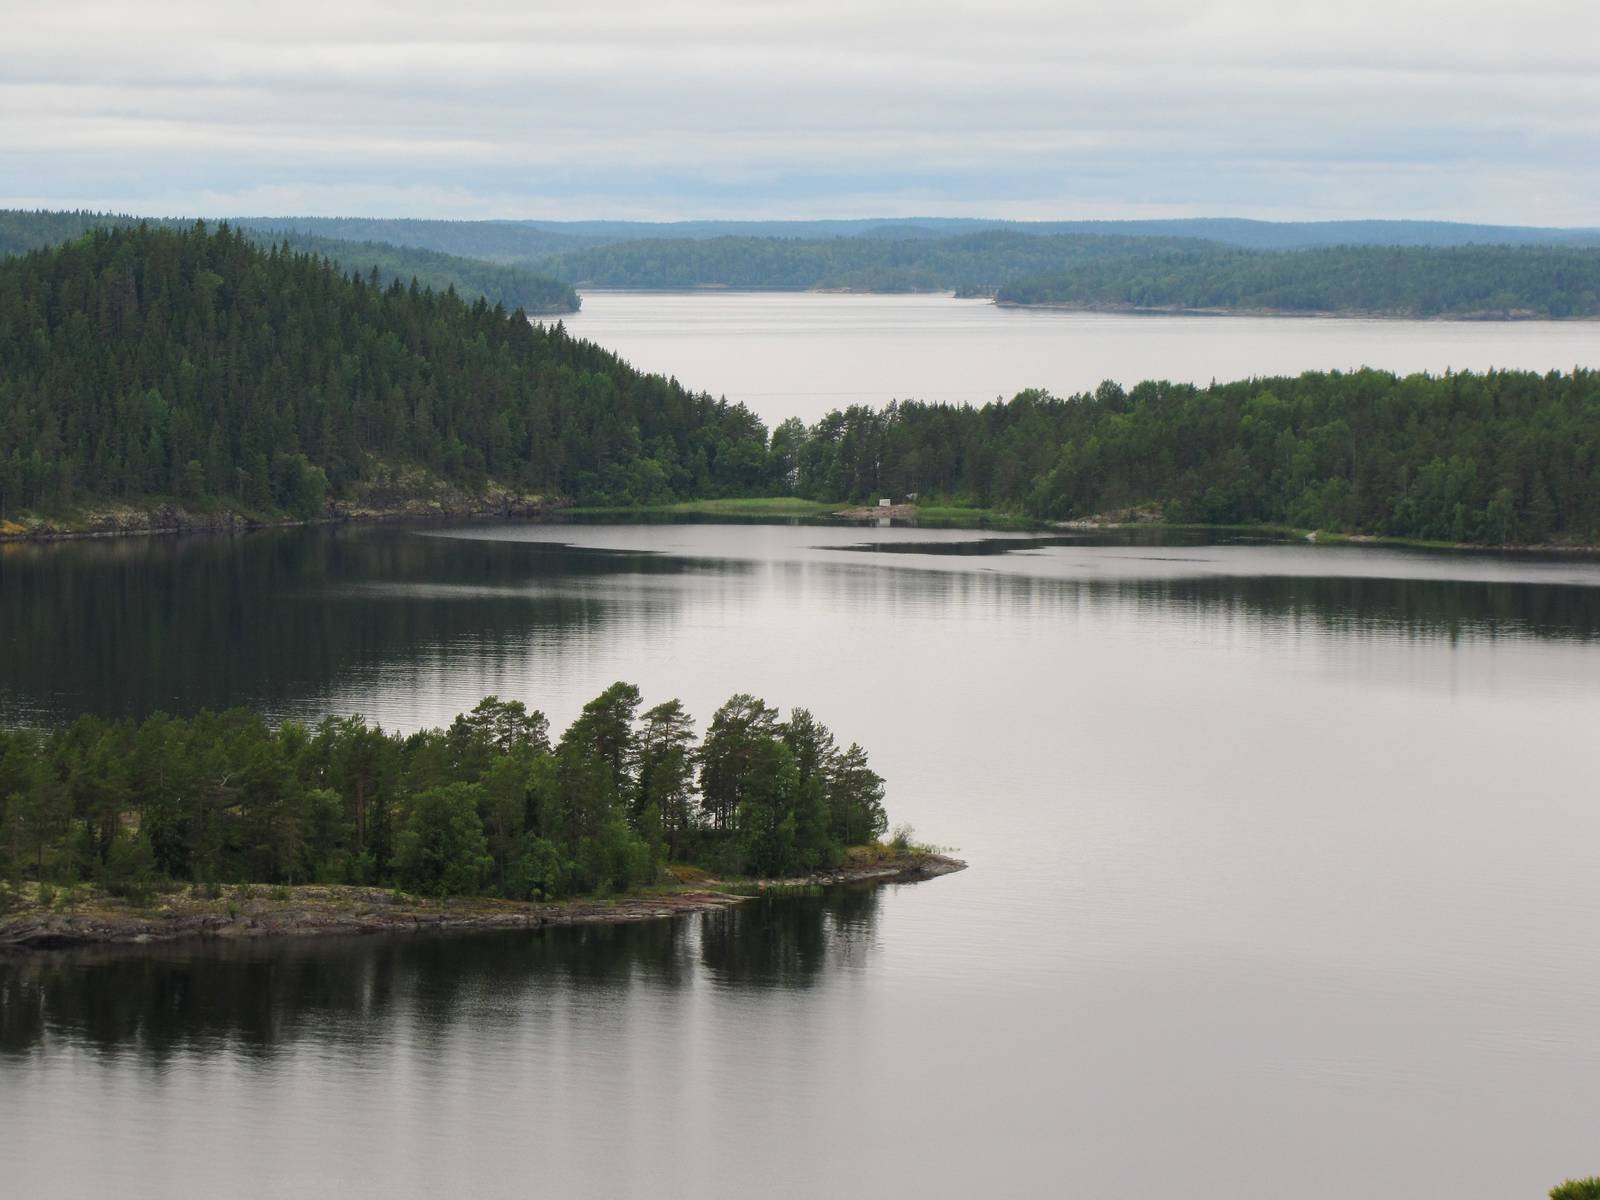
(254, 911)
(1291, 314)
(1514, 317)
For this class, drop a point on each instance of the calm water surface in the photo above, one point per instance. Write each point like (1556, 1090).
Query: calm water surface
(791, 354)
(1282, 876)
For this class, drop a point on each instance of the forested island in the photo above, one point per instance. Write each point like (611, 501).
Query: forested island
(169, 813)
(186, 374)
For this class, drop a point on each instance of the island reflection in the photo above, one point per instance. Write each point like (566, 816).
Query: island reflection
(295, 622)
(262, 996)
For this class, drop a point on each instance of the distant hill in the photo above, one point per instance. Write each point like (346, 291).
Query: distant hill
(977, 263)
(1106, 270)
(1303, 235)
(492, 241)
(1496, 281)
(1258, 235)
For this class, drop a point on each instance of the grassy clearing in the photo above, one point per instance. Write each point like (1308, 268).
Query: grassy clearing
(794, 506)
(757, 506)
(961, 516)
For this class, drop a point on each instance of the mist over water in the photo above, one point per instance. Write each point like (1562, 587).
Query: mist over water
(1281, 870)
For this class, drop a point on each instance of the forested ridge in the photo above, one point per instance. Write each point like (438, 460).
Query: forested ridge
(489, 805)
(531, 240)
(1123, 271)
(191, 363)
(1492, 281)
(1245, 265)
(972, 263)
(1500, 457)
(507, 284)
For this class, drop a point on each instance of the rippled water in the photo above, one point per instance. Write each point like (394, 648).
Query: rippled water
(800, 354)
(1282, 876)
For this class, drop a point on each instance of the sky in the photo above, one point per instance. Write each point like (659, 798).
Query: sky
(1031, 109)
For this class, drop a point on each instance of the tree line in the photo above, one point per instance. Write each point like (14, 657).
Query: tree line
(191, 363)
(971, 263)
(488, 805)
(1121, 270)
(1408, 281)
(1499, 457)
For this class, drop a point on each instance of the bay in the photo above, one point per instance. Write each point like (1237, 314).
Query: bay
(801, 354)
(1282, 874)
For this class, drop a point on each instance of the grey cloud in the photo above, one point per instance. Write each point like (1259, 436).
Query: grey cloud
(1273, 108)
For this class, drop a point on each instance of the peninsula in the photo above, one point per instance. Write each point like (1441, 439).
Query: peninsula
(222, 826)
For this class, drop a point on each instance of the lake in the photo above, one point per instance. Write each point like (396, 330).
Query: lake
(801, 354)
(1282, 875)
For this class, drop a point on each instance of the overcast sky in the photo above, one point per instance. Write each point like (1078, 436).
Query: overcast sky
(1459, 109)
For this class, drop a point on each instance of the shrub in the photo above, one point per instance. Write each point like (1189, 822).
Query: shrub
(1577, 1189)
(130, 870)
(443, 849)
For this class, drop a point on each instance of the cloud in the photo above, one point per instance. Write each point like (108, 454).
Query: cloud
(1463, 109)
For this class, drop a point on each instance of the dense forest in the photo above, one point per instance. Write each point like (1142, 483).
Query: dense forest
(488, 805)
(509, 286)
(1495, 281)
(1122, 271)
(1389, 268)
(969, 263)
(144, 362)
(1499, 457)
(191, 363)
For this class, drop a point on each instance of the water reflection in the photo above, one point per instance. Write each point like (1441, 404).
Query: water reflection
(301, 622)
(259, 997)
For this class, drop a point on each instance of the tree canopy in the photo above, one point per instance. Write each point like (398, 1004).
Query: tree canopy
(487, 805)
(191, 363)
(1505, 456)
(508, 284)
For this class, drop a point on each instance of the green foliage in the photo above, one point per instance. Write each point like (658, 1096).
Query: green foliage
(1086, 269)
(1413, 281)
(1577, 1189)
(443, 848)
(130, 870)
(486, 805)
(498, 283)
(509, 287)
(1499, 457)
(151, 362)
(970, 263)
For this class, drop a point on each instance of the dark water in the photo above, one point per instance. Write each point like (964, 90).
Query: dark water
(1283, 876)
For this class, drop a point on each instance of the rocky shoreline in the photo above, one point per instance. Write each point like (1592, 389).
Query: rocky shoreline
(388, 495)
(254, 911)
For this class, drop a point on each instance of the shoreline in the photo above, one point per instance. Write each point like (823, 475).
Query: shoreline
(170, 521)
(163, 520)
(1286, 314)
(261, 910)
